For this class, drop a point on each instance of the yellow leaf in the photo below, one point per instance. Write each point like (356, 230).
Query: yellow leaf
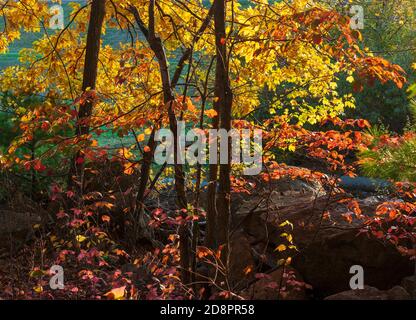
(287, 236)
(38, 289)
(350, 79)
(116, 294)
(36, 273)
(286, 223)
(81, 238)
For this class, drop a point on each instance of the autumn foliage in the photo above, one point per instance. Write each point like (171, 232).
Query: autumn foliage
(103, 215)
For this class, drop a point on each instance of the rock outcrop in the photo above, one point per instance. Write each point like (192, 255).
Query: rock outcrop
(326, 234)
(371, 293)
(409, 283)
(17, 219)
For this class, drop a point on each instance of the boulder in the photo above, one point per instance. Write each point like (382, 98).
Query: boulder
(241, 261)
(17, 219)
(16, 227)
(326, 262)
(277, 193)
(371, 293)
(326, 233)
(409, 283)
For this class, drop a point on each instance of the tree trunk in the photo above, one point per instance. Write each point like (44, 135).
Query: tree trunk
(89, 82)
(210, 236)
(224, 100)
(157, 47)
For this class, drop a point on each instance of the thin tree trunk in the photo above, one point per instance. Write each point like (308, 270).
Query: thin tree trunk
(156, 45)
(139, 228)
(224, 100)
(196, 230)
(210, 236)
(89, 82)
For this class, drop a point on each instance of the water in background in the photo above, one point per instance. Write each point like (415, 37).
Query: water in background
(112, 37)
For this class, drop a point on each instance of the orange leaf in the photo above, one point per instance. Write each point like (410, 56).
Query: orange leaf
(281, 248)
(211, 113)
(128, 169)
(248, 269)
(140, 137)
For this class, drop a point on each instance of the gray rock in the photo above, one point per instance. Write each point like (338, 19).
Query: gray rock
(278, 193)
(12, 221)
(371, 293)
(329, 246)
(409, 283)
(241, 261)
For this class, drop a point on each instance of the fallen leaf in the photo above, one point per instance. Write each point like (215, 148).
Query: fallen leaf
(116, 293)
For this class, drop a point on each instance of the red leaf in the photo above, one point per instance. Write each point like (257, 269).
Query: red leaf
(38, 166)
